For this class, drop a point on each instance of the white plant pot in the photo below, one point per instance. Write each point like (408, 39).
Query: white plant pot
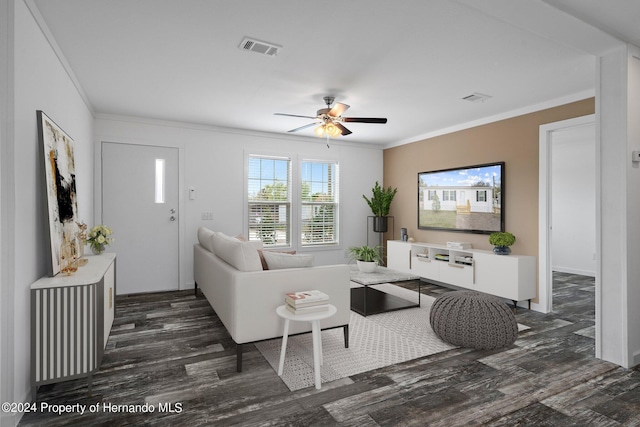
(367, 267)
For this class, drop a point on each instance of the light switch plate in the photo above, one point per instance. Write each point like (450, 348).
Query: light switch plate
(635, 156)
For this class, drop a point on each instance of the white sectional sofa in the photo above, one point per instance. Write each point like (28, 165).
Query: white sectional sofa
(230, 274)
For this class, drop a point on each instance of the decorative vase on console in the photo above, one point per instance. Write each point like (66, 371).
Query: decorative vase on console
(99, 238)
(97, 249)
(501, 250)
(68, 250)
(501, 241)
(81, 237)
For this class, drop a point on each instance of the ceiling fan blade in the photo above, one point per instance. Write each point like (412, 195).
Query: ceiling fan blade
(343, 129)
(338, 109)
(294, 115)
(304, 127)
(364, 120)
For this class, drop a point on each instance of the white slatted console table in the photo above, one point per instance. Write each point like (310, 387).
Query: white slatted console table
(71, 317)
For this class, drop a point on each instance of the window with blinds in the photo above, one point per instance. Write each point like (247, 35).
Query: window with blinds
(269, 198)
(319, 196)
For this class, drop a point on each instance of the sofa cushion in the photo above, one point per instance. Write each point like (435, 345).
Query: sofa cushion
(242, 256)
(265, 266)
(204, 238)
(280, 260)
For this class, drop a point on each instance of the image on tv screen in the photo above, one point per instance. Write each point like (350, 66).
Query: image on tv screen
(466, 199)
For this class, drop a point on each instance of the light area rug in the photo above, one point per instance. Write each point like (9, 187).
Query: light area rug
(374, 341)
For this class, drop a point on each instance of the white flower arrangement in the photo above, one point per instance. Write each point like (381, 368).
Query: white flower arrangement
(99, 237)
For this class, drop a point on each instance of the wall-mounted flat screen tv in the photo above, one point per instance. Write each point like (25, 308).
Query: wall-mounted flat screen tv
(467, 199)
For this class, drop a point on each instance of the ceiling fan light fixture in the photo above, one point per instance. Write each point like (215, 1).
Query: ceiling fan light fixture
(328, 129)
(330, 120)
(332, 129)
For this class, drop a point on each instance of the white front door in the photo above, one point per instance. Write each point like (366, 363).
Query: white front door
(140, 205)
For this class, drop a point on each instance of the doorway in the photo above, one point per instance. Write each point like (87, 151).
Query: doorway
(551, 134)
(140, 204)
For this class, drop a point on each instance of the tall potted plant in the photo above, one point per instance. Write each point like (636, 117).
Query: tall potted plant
(380, 203)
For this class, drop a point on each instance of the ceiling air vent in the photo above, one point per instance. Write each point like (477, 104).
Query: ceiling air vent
(477, 97)
(258, 46)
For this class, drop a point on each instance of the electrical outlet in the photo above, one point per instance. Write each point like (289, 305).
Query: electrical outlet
(207, 216)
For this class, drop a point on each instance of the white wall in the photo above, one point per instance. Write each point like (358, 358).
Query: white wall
(41, 83)
(6, 212)
(213, 162)
(617, 293)
(633, 205)
(573, 200)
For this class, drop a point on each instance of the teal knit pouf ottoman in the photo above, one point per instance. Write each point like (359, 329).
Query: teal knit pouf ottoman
(473, 320)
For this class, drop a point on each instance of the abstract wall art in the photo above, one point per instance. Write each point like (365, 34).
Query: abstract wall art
(60, 181)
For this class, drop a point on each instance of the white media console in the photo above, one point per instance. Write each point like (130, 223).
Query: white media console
(506, 276)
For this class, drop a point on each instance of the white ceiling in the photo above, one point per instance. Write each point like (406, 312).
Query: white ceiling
(410, 61)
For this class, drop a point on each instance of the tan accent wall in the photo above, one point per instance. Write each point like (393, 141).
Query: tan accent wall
(514, 141)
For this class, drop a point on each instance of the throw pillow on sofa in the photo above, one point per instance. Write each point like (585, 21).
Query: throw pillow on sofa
(280, 260)
(259, 245)
(241, 255)
(265, 266)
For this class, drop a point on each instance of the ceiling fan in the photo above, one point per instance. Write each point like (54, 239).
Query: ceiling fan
(330, 119)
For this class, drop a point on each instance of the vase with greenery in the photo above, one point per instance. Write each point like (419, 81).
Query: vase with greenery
(501, 240)
(366, 257)
(99, 238)
(380, 203)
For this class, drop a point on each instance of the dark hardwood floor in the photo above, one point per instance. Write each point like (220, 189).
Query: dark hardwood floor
(170, 348)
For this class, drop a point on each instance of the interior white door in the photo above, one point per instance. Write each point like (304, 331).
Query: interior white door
(140, 204)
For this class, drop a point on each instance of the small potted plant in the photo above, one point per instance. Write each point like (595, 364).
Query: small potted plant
(367, 258)
(501, 240)
(380, 203)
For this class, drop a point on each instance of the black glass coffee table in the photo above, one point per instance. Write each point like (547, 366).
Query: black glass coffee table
(367, 300)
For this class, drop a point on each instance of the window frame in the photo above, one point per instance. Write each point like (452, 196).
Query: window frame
(335, 203)
(289, 231)
(295, 221)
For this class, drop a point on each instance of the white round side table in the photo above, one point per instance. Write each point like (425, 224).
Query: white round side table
(315, 319)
